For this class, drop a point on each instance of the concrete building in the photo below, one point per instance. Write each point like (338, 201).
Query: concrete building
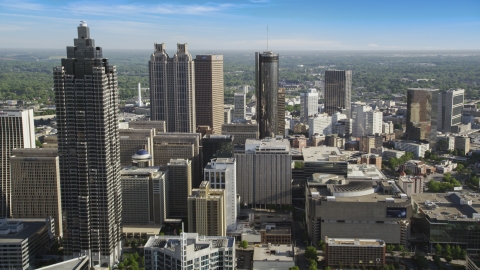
(445, 142)
(422, 114)
(389, 153)
(159, 126)
(178, 187)
(367, 121)
(367, 143)
(270, 98)
(241, 132)
(221, 173)
(387, 127)
(358, 252)
(333, 140)
(21, 240)
(320, 123)
(264, 172)
(308, 104)
(172, 88)
(86, 98)
(324, 159)
(411, 184)
(143, 192)
(269, 234)
(207, 211)
(216, 146)
(169, 146)
(227, 114)
(213, 252)
(273, 257)
(372, 159)
(239, 111)
(338, 91)
(16, 131)
(462, 143)
(418, 149)
(450, 109)
(209, 91)
(36, 185)
(133, 139)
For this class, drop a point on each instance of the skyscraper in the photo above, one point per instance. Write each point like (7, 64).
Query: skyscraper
(422, 112)
(338, 91)
(308, 104)
(86, 98)
(172, 88)
(209, 91)
(239, 100)
(269, 96)
(16, 131)
(450, 109)
(366, 121)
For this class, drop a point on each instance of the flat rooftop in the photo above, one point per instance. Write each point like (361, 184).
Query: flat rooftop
(29, 228)
(273, 253)
(459, 206)
(354, 242)
(364, 172)
(320, 153)
(133, 170)
(200, 242)
(147, 229)
(322, 192)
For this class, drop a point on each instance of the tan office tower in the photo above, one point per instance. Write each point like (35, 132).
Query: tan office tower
(133, 139)
(209, 91)
(241, 132)
(206, 211)
(36, 185)
(338, 91)
(159, 126)
(16, 131)
(172, 88)
(178, 187)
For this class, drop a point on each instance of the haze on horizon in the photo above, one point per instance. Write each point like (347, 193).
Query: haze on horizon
(242, 25)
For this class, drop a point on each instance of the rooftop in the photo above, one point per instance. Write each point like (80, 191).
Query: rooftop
(355, 242)
(273, 253)
(320, 153)
(364, 172)
(29, 228)
(460, 206)
(200, 242)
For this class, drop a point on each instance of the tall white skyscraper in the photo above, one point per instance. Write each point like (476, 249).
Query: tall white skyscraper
(222, 174)
(320, 123)
(450, 109)
(240, 106)
(308, 104)
(367, 121)
(86, 99)
(172, 88)
(16, 131)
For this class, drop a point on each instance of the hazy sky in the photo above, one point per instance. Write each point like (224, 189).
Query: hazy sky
(242, 24)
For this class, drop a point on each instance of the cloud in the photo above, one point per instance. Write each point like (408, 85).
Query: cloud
(21, 5)
(372, 45)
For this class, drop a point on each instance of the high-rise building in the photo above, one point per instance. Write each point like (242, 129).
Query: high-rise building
(172, 88)
(159, 126)
(86, 98)
(178, 187)
(450, 109)
(209, 91)
(207, 211)
(16, 131)
(241, 131)
(308, 104)
(338, 91)
(320, 123)
(133, 139)
(269, 97)
(367, 121)
(422, 112)
(221, 173)
(216, 146)
(36, 185)
(239, 101)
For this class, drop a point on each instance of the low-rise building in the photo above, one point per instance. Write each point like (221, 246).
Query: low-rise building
(462, 143)
(411, 184)
(357, 252)
(418, 149)
(372, 159)
(273, 235)
(273, 257)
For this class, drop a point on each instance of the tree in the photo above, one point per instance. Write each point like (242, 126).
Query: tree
(312, 264)
(311, 253)
(438, 249)
(243, 244)
(408, 172)
(390, 249)
(428, 154)
(448, 251)
(448, 258)
(460, 167)
(294, 268)
(321, 245)
(327, 268)
(133, 244)
(121, 266)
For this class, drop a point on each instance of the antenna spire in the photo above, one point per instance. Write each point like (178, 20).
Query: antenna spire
(267, 37)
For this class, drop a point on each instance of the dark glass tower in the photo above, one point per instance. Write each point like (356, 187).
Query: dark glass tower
(86, 97)
(338, 91)
(269, 97)
(422, 114)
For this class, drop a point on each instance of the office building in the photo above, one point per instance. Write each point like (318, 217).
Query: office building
(319, 124)
(221, 174)
(172, 88)
(358, 252)
(367, 121)
(462, 144)
(21, 240)
(241, 132)
(178, 187)
(36, 185)
(450, 109)
(264, 172)
(228, 114)
(159, 126)
(308, 104)
(168, 146)
(367, 143)
(322, 159)
(239, 111)
(418, 149)
(212, 252)
(338, 91)
(16, 131)
(268, 95)
(143, 191)
(372, 159)
(209, 91)
(269, 256)
(411, 184)
(387, 127)
(133, 139)
(207, 211)
(216, 146)
(86, 98)
(422, 112)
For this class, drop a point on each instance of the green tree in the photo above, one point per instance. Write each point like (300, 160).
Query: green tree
(438, 249)
(448, 250)
(311, 253)
(133, 244)
(312, 264)
(121, 266)
(448, 258)
(294, 268)
(460, 167)
(38, 144)
(243, 244)
(321, 245)
(390, 249)
(327, 268)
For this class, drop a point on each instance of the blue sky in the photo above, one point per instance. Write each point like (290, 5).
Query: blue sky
(241, 24)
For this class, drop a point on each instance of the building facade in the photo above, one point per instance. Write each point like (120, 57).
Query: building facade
(241, 132)
(357, 252)
(172, 88)
(178, 187)
(338, 91)
(86, 98)
(36, 185)
(16, 131)
(239, 101)
(308, 104)
(209, 91)
(216, 146)
(450, 109)
(133, 139)
(422, 114)
(207, 211)
(319, 124)
(367, 121)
